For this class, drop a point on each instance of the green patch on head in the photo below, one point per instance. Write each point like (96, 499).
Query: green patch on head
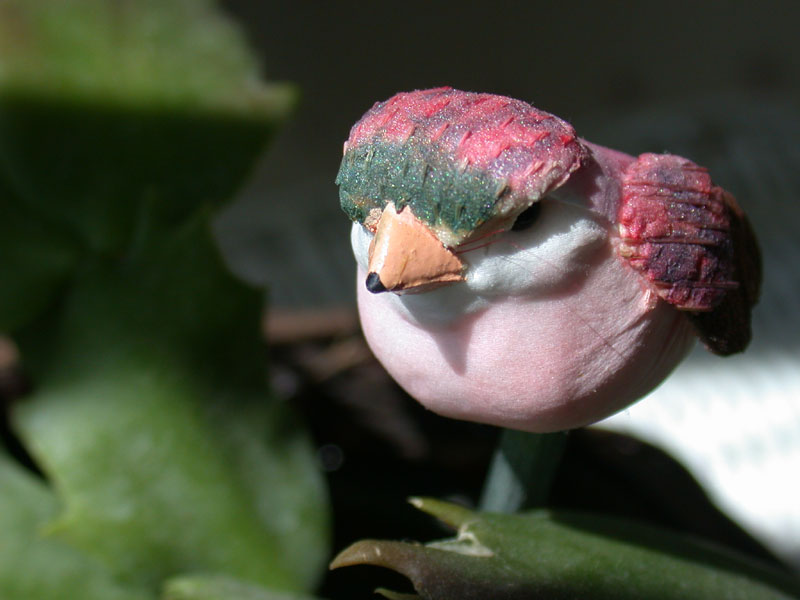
(439, 192)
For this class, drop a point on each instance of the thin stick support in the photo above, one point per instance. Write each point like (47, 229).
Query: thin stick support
(522, 470)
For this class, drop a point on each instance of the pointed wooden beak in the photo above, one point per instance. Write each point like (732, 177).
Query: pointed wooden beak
(405, 255)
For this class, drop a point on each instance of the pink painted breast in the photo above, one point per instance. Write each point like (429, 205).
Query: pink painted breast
(540, 365)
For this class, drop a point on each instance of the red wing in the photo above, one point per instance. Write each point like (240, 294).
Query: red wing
(691, 241)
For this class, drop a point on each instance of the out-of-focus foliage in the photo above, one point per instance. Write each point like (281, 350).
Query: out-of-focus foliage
(217, 587)
(151, 420)
(175, 53)
(35, 259)
(121, 123)
(118, 112)
(547, 554)
(33, 565)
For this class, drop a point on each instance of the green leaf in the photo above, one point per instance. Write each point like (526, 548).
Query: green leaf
(151, 419)
(115, 112)
(157, 53)
(220, 587)
(35, 261)
(550, 554)
(36, 566)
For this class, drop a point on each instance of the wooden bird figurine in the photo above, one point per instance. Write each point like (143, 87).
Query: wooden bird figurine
(513, 273)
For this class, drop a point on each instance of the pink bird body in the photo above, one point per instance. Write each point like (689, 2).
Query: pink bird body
(536, 281)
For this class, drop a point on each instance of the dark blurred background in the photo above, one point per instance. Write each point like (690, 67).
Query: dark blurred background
(569, 58)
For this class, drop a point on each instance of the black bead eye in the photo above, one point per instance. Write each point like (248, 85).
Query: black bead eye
(527, 217)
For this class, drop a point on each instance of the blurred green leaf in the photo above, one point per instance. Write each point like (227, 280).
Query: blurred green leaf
(392, 595)
(220, 587)
(549, 554)
(36, 259)
(119, 120)
(151, 419)
(36, 566)
(112, 112)
(156, 53)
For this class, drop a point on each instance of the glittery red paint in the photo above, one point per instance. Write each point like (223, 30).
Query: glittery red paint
(508, 138)
(675, 229)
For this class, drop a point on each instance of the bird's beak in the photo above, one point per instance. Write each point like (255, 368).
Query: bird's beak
(405, 255)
